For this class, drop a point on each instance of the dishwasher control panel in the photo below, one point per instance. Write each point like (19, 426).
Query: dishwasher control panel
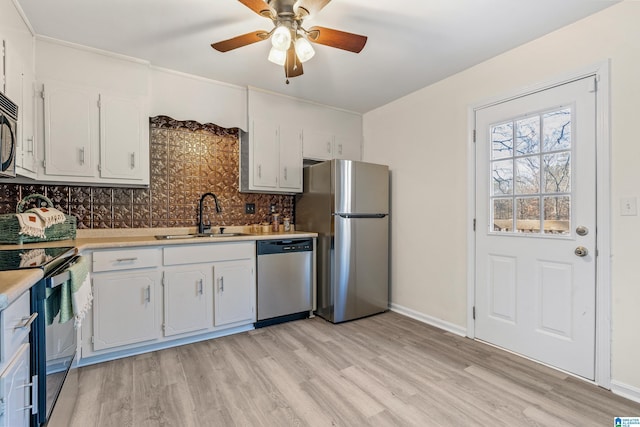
(265, 247)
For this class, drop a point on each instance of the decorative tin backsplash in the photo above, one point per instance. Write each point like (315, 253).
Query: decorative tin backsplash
(187, 160)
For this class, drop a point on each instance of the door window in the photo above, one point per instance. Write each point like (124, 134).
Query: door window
(531, 174)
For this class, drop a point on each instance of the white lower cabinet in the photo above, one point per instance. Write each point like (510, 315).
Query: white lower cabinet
(148, 297)
(235, 292)
(15, 363)
(188, 298)
(15, 391)
(125, 308)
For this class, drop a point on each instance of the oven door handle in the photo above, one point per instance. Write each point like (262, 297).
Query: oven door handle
(61, 274)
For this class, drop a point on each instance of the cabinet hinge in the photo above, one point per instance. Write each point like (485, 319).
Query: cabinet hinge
(474, 224)
(42, 92)
(474, 135)
(99, 102)
(99, 167)
(93, 339)
(162, 279)
(44, 163)
(474, 312)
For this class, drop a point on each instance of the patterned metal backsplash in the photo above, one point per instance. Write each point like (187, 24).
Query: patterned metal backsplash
(187, 160)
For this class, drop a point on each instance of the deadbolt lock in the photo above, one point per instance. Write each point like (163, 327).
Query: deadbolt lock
(581, 230)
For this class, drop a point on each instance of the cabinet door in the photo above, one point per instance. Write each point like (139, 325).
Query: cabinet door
(122, 136)
(70, 130)
(265, 164)
(188, 298)
(15, 391)
(26, 158)
(125, 308)
(346, 148)
(290, 159)
(317, 145)
(235, 292)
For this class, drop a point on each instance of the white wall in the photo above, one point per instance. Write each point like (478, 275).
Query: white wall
(423, 137)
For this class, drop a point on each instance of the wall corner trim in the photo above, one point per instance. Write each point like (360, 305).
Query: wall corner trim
(625, 390)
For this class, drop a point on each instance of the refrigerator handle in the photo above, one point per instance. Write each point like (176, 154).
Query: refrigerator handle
(348, 215)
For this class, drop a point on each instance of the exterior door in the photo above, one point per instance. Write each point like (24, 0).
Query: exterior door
(535, 226)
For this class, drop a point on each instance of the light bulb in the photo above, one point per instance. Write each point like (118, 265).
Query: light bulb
(281, 38)
(304, 50)
(277, 56)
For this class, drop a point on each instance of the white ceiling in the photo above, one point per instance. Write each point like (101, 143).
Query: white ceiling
(412, 43)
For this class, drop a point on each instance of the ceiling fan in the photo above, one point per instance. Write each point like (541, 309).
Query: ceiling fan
(289, 39)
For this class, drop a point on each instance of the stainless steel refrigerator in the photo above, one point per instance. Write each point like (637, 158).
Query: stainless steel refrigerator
(347, 204)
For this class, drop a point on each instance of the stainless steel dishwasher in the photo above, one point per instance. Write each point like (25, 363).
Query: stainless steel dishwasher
(285, 282)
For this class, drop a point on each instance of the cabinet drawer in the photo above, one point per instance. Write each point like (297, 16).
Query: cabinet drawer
(15, 321)
(126, 259)
(191, 254)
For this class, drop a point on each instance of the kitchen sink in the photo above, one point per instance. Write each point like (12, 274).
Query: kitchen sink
(197, 236)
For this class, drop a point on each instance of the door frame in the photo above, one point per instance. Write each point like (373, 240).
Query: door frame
(601, 70)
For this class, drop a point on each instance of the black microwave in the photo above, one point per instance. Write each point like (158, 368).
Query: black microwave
(8, 136)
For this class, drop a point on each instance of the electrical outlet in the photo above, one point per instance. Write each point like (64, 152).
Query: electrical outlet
(629, 206)
(249, 208)
(272, 208)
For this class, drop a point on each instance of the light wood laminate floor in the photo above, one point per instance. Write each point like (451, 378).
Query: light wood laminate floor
(385, 370)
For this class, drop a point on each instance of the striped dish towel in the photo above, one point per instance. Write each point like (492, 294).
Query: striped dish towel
(76, 296)
(30, 224)
(49, 216)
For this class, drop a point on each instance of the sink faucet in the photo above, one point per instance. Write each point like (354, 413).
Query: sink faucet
(218, 210)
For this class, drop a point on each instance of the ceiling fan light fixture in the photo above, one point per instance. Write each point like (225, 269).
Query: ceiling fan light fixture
(304, 50)
(277, 56)
(281, 38)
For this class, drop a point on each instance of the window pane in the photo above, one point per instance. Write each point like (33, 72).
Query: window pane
(502, 141)
(528, 136)
(556, 130)
(503, 215)
(557, 172)
(557, 215)
(528, 175)
(502, 177)
(528, 214)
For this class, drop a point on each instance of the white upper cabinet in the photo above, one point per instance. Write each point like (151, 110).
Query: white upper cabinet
(283, 131)
(123, 136)
(92, 120)
(70, 130)
(317, 145)
(17, 68)
(290, 158)
(347, 147)
(271, 158)
(265, 143)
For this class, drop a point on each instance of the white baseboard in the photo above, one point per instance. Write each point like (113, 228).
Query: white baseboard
(429, 320)
(625, 390)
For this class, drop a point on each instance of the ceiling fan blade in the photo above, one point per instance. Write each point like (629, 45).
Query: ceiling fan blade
(260, 7)
(312, 6)
(240, 41)
(336, 38)
(292, 66)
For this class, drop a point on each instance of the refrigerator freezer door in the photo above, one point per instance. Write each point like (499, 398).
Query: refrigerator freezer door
(361, 274)
(360, 187)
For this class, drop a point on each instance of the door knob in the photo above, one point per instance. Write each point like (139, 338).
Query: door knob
(581, 251)
(581, 230)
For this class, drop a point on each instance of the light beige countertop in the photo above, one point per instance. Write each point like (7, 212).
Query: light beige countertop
(15, 283)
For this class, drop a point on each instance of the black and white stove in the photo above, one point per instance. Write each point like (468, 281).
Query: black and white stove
(53, 344)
